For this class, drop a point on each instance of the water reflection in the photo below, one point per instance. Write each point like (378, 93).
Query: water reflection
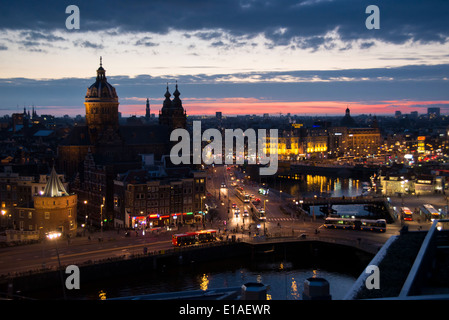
(294, 292)
(310, 185)
(204, 282)
(282, 283)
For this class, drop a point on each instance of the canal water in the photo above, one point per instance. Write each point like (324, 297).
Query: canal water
(284, 280)
(308, 185)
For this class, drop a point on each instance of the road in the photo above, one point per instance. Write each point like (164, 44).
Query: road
(278, 222)
(79, 250)
(115, 244)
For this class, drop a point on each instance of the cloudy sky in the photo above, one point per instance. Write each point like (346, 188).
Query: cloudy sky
(305, 57)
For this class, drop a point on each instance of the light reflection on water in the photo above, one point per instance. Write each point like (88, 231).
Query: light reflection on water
(283, 282)
(286, 284)
(310, 185)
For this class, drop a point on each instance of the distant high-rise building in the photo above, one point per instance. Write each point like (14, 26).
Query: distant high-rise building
(397, 114)
(433, 113)
(414, 115)
(219, 115)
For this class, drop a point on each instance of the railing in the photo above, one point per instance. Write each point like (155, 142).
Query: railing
(279, 236)
(423, 261)
(357, 199)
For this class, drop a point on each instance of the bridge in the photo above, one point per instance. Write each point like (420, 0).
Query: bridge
(316, 201)
(378, 207)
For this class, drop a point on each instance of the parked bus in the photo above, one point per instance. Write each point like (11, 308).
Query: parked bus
(431, 212)
(379, 225)
(407, 214)
(190, 238)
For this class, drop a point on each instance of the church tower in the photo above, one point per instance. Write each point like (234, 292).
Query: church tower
(101, 103)
(172, 113)
(147, 111)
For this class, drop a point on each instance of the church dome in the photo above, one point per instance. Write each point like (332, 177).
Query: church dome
(347, 120)
(101, 89)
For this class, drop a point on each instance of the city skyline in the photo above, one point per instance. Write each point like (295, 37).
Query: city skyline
(237, 57)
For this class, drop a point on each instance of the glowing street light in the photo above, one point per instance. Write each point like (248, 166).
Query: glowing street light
(55, 235)
(101, 220)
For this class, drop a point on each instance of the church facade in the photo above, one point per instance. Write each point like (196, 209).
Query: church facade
(93, 154)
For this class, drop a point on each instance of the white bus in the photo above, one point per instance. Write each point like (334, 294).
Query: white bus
(431, 211)
(379, 225)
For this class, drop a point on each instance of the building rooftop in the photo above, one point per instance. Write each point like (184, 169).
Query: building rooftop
(54, 186)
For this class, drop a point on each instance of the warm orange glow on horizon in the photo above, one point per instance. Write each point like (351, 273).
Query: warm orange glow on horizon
(259, 107)
(242, 106)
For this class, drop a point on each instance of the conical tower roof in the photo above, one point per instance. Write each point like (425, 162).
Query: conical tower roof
(54, 187)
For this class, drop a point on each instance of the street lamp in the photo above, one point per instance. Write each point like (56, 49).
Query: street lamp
(54, 235)
(3, 214)
(85, 212)
(101, 220)
(201, 208)
(265, 213)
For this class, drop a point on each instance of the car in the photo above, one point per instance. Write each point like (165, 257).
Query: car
(234, 205)
(223, 185)
(245, 213)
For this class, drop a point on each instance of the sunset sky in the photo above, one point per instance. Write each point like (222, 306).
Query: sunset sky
(305, 57)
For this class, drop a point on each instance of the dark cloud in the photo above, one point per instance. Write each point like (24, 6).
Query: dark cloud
(88, 44)
(208, 35)
(36, 36)
(217, 44)
(280, 21)
(146, 42)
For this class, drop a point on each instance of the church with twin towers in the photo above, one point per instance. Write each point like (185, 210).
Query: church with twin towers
(93, 153)
(106, 139)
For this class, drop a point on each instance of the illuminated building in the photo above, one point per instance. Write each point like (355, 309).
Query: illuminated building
(421, 143)
(362, 141)
(54, 209)
(157, 196)
(290, 148)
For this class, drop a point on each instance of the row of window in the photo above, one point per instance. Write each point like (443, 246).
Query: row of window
(46, 214)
